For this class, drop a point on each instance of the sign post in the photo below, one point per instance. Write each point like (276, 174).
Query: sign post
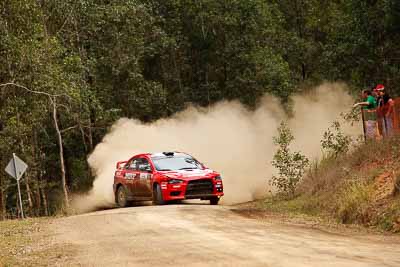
(16, 168)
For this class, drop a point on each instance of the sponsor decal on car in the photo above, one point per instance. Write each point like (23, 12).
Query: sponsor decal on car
(129, 175)
(145, 176)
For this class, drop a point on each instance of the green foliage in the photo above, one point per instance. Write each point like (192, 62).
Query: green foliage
(334, 141)
(291, 166)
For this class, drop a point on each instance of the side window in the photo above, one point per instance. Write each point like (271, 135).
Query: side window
(143, 165)
(132, 165)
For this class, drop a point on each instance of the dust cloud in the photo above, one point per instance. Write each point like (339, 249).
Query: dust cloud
(226, 137)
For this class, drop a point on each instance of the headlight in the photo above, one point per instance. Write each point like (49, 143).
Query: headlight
(218, 177)
(175, 181)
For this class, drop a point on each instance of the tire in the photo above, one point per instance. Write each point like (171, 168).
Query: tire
(214, 201)
(121, 197)
(157, 196)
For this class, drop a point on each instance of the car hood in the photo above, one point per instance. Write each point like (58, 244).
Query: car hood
(189, 174)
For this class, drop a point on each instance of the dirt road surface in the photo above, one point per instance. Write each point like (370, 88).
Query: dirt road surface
(203, 235)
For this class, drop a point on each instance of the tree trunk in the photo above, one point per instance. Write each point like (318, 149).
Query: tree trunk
(303, 71)
(36, 172)
(300, 32)
(45, 205)
(26, 180)
(90, 136)
(2, 200)
(29, 193)
(38, 202)
(177, 71)
(83, 136)
(61, 152)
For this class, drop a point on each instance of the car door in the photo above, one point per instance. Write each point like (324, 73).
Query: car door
(130, 173)
(145, 174)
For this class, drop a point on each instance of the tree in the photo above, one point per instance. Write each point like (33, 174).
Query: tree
(54, 106)
(225, 50)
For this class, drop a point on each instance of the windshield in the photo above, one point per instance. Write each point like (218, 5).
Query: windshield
(176, 163)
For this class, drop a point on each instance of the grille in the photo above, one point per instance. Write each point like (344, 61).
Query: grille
(175, 193)
(199, 187)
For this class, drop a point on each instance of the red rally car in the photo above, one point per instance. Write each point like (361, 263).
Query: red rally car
(162, 177)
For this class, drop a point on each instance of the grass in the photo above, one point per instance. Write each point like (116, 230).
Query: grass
(28, 243)
(15, 238)
(299, 205)
(353, 202)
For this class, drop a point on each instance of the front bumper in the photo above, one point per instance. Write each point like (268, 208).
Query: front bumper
(195, 189)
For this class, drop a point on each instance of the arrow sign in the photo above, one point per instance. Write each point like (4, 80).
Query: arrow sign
(16, 167)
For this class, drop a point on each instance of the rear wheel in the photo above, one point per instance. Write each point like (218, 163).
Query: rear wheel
(157, 196)
(122, 200)
(214, 201)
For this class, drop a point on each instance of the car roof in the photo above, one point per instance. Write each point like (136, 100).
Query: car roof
(158, 155)
(168, 154)
(141, 155)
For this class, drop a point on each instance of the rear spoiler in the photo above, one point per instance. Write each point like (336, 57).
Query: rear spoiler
(121, 164)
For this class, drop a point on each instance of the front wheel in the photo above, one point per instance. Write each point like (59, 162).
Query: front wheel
(214, 201)
(157, 196)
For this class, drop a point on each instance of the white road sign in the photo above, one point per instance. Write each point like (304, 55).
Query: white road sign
(16, 167)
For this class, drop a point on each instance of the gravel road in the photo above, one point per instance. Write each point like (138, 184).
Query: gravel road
(203, 235)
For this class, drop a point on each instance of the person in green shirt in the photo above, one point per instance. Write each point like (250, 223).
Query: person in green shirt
(369, 109)
(369, 101)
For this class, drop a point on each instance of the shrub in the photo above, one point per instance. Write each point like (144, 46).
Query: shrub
(291, 165)
(334, 141)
